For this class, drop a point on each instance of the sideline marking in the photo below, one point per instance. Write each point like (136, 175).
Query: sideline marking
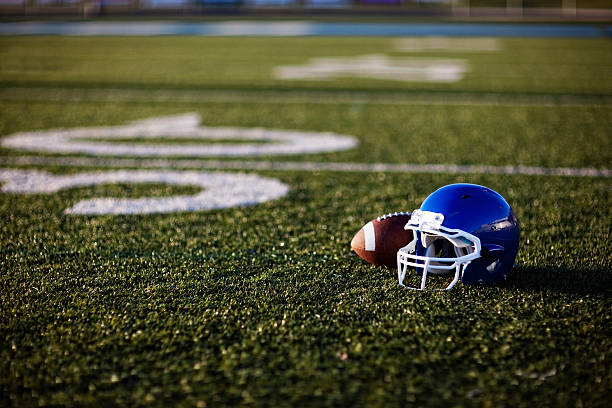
(305, 166)
(300, 97)
(375, 66)
(283, 142)
(221, 190)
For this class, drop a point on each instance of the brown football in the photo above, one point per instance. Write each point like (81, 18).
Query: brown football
(378, 241)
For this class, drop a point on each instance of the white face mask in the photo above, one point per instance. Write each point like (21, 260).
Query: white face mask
(445, 249)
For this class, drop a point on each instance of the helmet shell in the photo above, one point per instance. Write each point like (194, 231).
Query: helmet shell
(485, 214)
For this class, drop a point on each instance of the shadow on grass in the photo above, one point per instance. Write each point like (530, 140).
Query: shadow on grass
(594, 281)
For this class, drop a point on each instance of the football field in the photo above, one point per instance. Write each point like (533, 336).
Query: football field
(176, 216)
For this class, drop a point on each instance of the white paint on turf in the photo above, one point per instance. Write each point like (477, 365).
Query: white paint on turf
(259, 141)
(320, 97)
(306, 166)
(220, 190)
(377, 67)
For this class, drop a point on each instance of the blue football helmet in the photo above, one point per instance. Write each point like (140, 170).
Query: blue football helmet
(465, 229)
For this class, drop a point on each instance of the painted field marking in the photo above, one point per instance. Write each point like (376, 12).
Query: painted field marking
(375, 66)
(220, 190)
(189, 96)
(263, 165)
(187, 126)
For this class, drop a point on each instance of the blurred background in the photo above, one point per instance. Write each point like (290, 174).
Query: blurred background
(525, 8)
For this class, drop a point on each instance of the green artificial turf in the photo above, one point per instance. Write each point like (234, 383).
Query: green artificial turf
(575, 66)
(550, 136)
(266, 305)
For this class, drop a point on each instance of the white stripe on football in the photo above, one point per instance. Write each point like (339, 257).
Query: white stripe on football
(378, 241)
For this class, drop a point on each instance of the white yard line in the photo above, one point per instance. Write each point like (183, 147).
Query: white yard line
(297, 97)
(302, 166)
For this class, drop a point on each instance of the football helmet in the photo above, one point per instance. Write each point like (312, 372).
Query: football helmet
(462, 229)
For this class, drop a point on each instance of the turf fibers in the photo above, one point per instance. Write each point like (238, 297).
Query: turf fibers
(266, 305)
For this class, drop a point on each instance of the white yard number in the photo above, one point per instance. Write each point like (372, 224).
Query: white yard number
(105, 141)
(220, 189)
